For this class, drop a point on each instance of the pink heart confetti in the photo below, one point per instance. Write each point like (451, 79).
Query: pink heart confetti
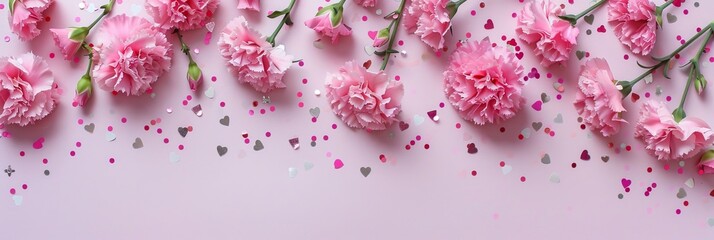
(538, 105)
(338, 164)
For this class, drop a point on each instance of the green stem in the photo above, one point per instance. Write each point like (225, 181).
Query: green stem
(342, 2)
(666, 59)
(107, 9)
(91, 57)
(393, 35)
(287, 10)
(573, 19)
(694, 69)
(665, 5)
(184, 48)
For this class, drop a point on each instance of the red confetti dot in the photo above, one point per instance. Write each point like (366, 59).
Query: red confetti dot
(573, 165)
(523, 179)
(473, 173)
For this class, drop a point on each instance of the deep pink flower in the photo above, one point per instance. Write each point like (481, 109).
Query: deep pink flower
(64, 40)
(181, 14)
(668, 139)
(28, 91)
(323, 25)
(366, 3)
(131, 57)
(635, 24)
(553, 38)
(249, 5)
(363, 99)
(251, 58)
(598, 101)
(483, 82)
(25, 16)
(429, 20)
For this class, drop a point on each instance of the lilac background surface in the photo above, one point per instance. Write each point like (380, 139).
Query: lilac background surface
(417, 194)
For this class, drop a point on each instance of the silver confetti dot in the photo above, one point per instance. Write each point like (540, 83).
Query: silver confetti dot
(292, 172)
(317, 92)
(169, 110)
(266, 99)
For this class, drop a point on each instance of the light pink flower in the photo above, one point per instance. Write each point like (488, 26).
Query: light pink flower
(133, 55)
(181, 14)
(25, 16)
(322, 24)
(429, 20)
(251, 58)
(366, 3)
(483, 82)
(28, 91)
(598, 101)
(249, 4)
(635, 24)
(363, 99)
(66, 44)
(553, 38)
(665, 138)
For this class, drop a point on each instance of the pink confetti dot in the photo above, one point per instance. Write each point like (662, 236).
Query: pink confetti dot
(325, 138)
(251, 112)
(80, 121)
(111, 160)
(77, 19)
(334, 126)
(72, 153)
(401, 43)
(44, 161)
(523, 179)
(223, 104)
(301, 63)
(214, 78)
(473, 12)
(24, 186)
(2, 6)
(180, 146)
(304, 81)
(272, 108)
(418, 137)
(268, 134)
(458, 125)
(22, 153)
(123, 120)
(364, 18)
(301, 104)
(12, 191)
(52, 55)
(166, 140)
(78, 144)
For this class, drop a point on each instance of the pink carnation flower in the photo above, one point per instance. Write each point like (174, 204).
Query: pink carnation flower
(635, 24)
(553, 38)
(363, 99)
(322, 24)
(483, 82)
(429, 20)
(133, 55)
(366, 3)
(181, 14)
(28, 91)
(598, 101)
(68, 46)
(249, 5)
(251, 58)
(667, 139)
(25, 16)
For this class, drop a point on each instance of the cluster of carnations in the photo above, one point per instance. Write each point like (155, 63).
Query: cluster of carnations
(666, 135)
(482, 80)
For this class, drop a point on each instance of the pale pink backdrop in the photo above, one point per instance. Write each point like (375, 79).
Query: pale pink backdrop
(161, 192)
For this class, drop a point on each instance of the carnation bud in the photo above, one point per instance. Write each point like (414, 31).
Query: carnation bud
(700, 83)
(706, 162)
(84, 90)
(194, 76)
(679, 114)
(381, 38)
(78, 34)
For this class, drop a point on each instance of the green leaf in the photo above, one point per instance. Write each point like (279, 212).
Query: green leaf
(276, 14)
(288, 20)
(324, 10)
(570, 18)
